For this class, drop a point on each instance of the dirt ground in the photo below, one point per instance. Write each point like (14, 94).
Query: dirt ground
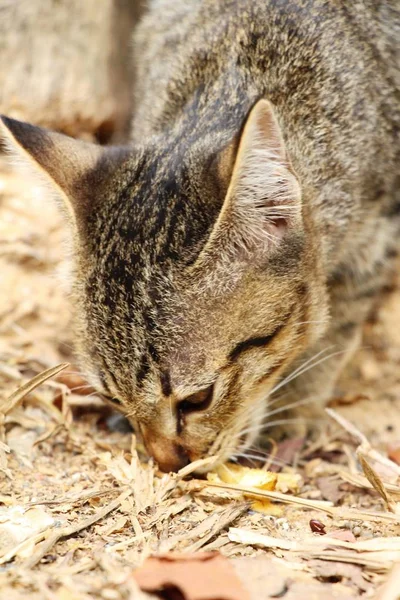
(81, 509)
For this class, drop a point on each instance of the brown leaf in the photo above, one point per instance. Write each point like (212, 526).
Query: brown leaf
(329, 487)
(287, 452)
(342, 534)
(201, 576)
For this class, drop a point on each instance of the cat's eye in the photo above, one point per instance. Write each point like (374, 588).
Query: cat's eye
(196, 402)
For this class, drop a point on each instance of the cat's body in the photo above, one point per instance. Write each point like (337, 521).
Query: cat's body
(202, 65)
(237, 236)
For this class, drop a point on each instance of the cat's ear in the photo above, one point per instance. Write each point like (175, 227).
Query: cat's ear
(263, 199)
(73, 171)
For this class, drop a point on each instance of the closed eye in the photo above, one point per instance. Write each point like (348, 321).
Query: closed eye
(255, 342)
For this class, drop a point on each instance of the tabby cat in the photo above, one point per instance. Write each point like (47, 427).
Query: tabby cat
(244, 233)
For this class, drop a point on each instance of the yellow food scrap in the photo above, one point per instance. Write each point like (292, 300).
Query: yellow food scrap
(256, 478)
(289, 482)
(266, 507)
(238, 475)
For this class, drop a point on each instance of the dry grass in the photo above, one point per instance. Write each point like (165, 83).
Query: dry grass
(81, 508)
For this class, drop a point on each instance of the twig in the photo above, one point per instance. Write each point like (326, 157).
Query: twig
(326, 507)
(75, 498)
(391, 589)
(365, 447)
(278, 496)
(226, 519)
(359, 480)
(47, 545)
(28, 387)
(215, 524)
(377, 554)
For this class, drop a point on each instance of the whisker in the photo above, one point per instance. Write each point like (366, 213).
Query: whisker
(251, 459)
(68, 346)
(302, 371)
(277, 462)
(264, 426)
(92, 395)
(262, 407)
(299, 369)
(76, 373)
(303, 368)
(80, 387)
(291, 405)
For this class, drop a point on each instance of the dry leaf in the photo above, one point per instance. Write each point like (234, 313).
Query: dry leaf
(286, 452)
(377, 483)
(378, 554)
(329, 488)
(202, 576)
(343, 534)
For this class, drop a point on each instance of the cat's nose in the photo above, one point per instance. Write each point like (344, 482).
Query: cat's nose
(169, 455)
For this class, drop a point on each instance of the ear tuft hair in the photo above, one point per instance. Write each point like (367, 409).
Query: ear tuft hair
(263, 201)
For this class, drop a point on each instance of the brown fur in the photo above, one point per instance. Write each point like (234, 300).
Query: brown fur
(210, 253)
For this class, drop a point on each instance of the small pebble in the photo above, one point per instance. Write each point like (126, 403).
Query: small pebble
(282, 524)
(344, 524)
(368, 535)
(357, 530)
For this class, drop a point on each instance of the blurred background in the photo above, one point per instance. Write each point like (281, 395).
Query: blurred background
(66, 64)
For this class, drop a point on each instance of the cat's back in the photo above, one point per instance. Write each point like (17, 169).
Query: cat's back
(331, 68)
(277, 46)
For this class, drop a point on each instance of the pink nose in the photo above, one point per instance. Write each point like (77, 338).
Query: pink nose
(169, 455)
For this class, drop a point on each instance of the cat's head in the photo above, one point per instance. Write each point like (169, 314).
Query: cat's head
(196, 276)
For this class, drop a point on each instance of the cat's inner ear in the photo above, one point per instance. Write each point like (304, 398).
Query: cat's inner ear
(263, 200)
(73, 171)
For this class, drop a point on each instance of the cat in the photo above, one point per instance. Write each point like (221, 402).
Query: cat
(243, 235)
